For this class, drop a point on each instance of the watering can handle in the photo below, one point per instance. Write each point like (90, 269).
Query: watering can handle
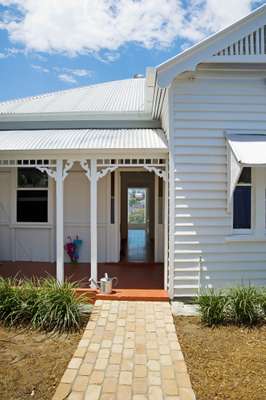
(116, 281)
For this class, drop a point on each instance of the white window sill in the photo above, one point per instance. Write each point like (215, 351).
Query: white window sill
(32, 225)
(245, 238)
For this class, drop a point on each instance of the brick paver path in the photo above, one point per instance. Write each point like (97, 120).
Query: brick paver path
(129, 350)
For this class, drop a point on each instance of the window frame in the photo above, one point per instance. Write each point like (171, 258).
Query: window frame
(18, 188)
(252, 184)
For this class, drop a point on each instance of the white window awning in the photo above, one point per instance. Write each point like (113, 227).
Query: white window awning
(90, 140)
(244, 150)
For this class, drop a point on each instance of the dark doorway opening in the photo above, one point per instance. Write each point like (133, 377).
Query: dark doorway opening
(137, 217)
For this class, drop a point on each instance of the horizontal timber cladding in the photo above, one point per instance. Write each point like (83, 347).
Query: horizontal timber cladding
(203, 108)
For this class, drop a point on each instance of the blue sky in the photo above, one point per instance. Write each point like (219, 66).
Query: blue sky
(45, 48)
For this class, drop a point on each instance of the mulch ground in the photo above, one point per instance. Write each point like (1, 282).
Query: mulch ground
(32, 363)
(225, 363)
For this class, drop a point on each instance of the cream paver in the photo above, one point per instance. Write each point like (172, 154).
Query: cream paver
(129, 351)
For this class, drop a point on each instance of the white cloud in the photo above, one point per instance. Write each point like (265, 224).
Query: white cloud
(80, 72)
(71, 75)
(208, 16)
(83, 26)
(40, 68)
(67, 78)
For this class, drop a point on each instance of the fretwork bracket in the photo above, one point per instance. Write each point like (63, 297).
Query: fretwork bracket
(100, 174)
(103, 172)
(84, 164)
(161, 173)
(52, 171)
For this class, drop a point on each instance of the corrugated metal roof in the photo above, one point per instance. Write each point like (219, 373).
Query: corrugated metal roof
(116, 96)
(86, 139)
(248, 149)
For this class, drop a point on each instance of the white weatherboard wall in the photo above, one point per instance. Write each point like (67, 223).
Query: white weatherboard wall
(205, 106)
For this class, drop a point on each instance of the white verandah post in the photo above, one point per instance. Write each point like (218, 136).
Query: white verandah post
(59, 222)
(166, 229)
(93, 214)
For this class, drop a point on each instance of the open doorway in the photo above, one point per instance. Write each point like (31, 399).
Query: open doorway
(139, 245)
(137, 222)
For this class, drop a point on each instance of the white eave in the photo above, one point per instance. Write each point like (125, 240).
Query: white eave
(204, 51)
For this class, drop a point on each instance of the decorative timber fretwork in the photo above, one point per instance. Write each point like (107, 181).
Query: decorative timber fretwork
(53, 173)
(49, 171)
(68, 165)
(105, 171)
(131, 162)
(32, 163)
(101, 173)
(85, 165)
(253, 44)
(161, 173)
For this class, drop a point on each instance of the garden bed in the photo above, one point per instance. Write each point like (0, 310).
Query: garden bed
(226, 362)
(32, 363)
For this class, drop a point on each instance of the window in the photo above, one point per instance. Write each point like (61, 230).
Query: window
(242, 201)
(32, 195)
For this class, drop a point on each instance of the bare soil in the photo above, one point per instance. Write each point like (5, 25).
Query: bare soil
(32, 363)
(225, 363)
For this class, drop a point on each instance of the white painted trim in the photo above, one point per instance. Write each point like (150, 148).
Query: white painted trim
(59, 222)
(167, 284)
(77, 116)
(171, 194)
(80, 154)
(156, 195)
(93, 217)
(245, 238)
(259, 59)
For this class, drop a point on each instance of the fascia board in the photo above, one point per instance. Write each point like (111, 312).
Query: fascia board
(189, 59)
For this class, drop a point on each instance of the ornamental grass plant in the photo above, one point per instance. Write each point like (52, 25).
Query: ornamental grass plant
(243, 305)
(42, 304)
(212, 307)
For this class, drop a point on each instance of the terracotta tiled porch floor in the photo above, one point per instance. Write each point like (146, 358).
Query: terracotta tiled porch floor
(131, 275)
(129, 351)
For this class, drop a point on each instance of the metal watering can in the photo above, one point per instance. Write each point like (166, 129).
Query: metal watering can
(105, 285)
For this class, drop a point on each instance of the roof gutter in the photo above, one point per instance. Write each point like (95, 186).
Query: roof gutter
(77, 120)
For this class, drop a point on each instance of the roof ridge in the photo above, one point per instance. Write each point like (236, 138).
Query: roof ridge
(59, 92)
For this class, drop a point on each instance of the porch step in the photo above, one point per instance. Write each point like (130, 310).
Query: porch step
(127, 294)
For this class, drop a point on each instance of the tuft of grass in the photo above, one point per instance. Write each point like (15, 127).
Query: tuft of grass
(8, 300)
(263, 301)
(45, 305)
(58, 309)
(25, 295)
(245, 305)
(212, 307)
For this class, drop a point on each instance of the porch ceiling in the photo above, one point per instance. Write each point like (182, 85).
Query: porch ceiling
(83, 139)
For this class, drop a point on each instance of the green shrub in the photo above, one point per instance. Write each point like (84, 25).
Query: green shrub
(212, 307)
(262, 300)
(8, 299)
(245, 305)
(58, 309)
(45, 305)
(26, 294)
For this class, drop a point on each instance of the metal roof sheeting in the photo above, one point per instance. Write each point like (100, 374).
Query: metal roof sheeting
(86, 139)
(248, 149)
(116, 96)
